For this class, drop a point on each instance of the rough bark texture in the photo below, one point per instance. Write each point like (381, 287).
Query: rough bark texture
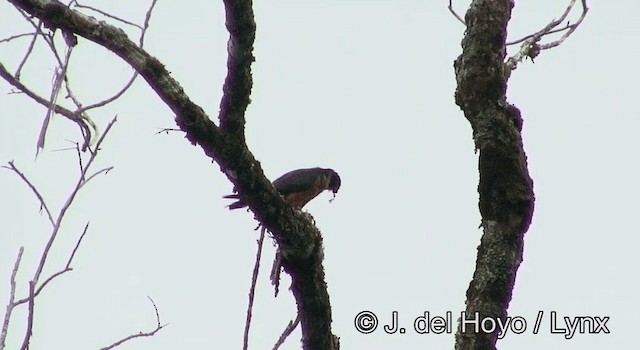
(298, 238)
(506, 190)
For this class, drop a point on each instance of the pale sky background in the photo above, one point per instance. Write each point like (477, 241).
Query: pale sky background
(366, 88)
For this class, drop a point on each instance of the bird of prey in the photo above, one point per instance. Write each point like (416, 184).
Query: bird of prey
(299, 186)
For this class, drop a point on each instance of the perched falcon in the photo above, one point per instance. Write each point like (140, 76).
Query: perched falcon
(299, 186)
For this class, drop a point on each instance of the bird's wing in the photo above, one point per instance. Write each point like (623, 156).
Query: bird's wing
(298, 180)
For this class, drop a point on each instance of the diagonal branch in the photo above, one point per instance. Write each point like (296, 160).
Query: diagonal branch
(291, 326)
(66, 269)
(126, 87)
(298, 238)
(454, 13)
(43, 204)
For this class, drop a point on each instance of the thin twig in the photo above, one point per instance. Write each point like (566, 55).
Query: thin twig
(454, 13)
(5, 74)
(48, 38)
(547, 29)
(12, 296)
(147, 20)
(166, 130)
(571, 28)
(287, 332)
(557, 30)
(67, 267)
(530, 44)
(29, 331)
(79, 155)
(141, 334)
(101, 171)
(252, 290)
(135, 73)
(33, 188)
(26, 55)
(5, 40)
(55, 91)
(112, 98)
(106, 14)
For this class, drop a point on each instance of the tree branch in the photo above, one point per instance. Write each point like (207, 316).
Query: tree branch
(159, 326)
(238, 83)
(43, 204)
(252, 289)
(531, 46)
(287, 332)
(12, 297)
(5, 74)
(298, 238)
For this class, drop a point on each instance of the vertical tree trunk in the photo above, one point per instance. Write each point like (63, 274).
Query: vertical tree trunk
(505, 188)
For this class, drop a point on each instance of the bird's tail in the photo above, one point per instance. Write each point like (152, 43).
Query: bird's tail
(239, 203)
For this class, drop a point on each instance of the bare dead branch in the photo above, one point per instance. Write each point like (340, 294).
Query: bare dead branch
(5, 74)
(147, 20)
(67, 267)
(112, 98)
(252, 289)
(29, 331)
(47, 37)
(13, 37)
(79, 155)
(101, 171)
(33, 188)
(126, 87)
(106, 14)
(531, 45)
(454, 13)
(287, 332)
(69, 201)
(26, 55)
(167, 130)
(58, 79)
(83, 176)
(57, 223)
(571, 28)
(12, 296)
(276, 269)
(548, 28)
(34, 288)
(61, 78)
(159, 326)
(557, 30)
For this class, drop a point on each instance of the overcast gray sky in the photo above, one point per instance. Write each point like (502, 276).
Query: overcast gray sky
(366, 88)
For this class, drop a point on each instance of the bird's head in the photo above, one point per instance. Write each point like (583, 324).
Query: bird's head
(334, 181)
